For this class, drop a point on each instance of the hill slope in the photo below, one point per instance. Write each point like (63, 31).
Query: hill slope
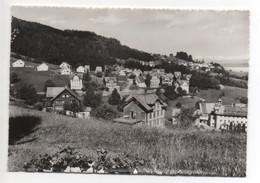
(76, 47)
(203, 153)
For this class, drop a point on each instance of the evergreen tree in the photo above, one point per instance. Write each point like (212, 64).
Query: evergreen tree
(28, 93)
(14, 78)
(48, 83)
(148, 80)
(115, 98)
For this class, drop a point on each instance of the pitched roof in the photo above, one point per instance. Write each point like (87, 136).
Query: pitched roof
(227, 110)
(70, 91)
(53, 91)
(121, 78)
(146, 100)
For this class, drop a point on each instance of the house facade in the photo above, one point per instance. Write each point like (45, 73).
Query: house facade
(98, 69)
(42, 67)
(140, 82)
(155, 81)
(65, 71)
(147, 109)
(64, 96)
(183, 84)
(221, 116)
(64, 65)
(18, 63)
(111, 83)
(76, 82)
(80, 69)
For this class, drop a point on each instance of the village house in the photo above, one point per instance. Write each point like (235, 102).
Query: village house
(159, 71)
(87, 68)
(98, 69)
(80, 69)
(151, 64)
(111, 83)
(58, 96)
(167, 79)
(140, 82)
(66, 71)
(177, 75)
(42, 67)
(187, 76)
(137, 72)
(146, 109)
(155, 81)
(121, 79)
(84, 114)
(221, 116)
(76, 82)
(18, 63)
(183, 84)
(175, 115)
(64, 65)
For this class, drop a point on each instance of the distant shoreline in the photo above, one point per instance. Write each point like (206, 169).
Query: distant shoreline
(238, 69)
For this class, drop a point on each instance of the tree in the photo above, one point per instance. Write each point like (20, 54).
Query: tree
(73, 106)
(115, 98)
(178, 105)
(148, 80)
(28, 93)
(244, 100)
(86, 77)
(14, 78)
(181, 92)
(48, 83)
(91, 99)
(99, 74)
(170, 92)
(104, 112)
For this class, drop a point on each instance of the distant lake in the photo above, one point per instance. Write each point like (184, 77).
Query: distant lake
(236, 67)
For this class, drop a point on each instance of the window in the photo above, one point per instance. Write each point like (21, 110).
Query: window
(63, 96)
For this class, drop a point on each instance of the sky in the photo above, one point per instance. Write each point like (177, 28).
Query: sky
(221, 36)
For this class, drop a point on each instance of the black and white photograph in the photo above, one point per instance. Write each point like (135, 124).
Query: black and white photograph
(132, 91)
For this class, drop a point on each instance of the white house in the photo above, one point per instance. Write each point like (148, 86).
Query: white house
(183, 84)
(98, 69)
(155, 81)
(42, 67)
(64, 65)
(87, 68)
(65, 71)
(18, 63)
(80, 69)
(76, 82)
(140, 82)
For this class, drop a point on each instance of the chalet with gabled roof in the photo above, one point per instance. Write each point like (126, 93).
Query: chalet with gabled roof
(18, 63)
(59, 96)
(145, 109)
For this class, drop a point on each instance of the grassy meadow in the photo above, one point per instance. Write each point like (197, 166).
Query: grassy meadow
(171, 151)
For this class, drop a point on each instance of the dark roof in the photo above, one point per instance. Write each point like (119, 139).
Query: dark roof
(73, 93)
(146, 100)
(121, 78)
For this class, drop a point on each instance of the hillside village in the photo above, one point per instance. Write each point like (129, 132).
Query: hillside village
(84, 103)
(138, 93)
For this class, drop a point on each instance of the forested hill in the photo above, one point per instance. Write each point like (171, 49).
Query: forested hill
(75, 47)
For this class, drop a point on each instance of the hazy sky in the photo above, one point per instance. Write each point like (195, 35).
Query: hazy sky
(213, 35)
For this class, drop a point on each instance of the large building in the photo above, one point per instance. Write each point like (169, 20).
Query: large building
(221, 116)
(76, 82)
(146, 109)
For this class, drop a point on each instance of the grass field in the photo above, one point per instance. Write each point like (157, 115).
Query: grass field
(172, 151)
(29, 74)
(231, 93)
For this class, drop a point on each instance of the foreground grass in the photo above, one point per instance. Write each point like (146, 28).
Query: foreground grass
(170, 151)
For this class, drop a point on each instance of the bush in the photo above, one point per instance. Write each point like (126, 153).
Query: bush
(38, 106)
(115, 98)
(104, 112)
(99, 74)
